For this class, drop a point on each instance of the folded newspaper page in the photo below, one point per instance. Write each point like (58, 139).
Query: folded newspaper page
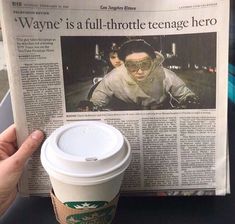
(156, 71)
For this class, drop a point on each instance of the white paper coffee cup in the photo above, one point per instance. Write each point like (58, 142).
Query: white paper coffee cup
(86, 161)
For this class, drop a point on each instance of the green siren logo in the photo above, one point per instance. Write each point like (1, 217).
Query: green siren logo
(102, 216)
(86, 204)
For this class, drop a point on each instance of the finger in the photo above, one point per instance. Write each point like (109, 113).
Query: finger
(31, 143)
(9, 135)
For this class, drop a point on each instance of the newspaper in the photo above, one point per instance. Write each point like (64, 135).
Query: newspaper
(59, 72)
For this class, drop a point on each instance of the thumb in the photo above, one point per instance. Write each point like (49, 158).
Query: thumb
(30, 145)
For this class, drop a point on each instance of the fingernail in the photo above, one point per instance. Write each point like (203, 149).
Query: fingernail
(37, 135)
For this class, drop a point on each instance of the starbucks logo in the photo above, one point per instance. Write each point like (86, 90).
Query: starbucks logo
(102, 216)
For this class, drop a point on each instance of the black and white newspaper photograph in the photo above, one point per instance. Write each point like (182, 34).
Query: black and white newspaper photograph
(139, 73)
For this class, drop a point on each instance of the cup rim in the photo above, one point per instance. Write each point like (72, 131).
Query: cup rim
(112, 169)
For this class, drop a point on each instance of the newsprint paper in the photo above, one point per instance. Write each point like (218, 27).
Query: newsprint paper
(166, 92)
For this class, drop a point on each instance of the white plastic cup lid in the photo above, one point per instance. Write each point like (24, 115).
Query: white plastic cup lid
(85, 152)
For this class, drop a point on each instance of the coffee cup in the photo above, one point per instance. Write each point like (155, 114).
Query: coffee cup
(86, 161)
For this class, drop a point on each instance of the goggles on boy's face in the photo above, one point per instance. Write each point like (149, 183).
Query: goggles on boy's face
(134, 66)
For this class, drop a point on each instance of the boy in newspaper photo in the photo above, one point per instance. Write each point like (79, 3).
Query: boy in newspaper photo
(142, 83)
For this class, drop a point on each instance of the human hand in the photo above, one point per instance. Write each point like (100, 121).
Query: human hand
(191, 102)
(12, 162)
